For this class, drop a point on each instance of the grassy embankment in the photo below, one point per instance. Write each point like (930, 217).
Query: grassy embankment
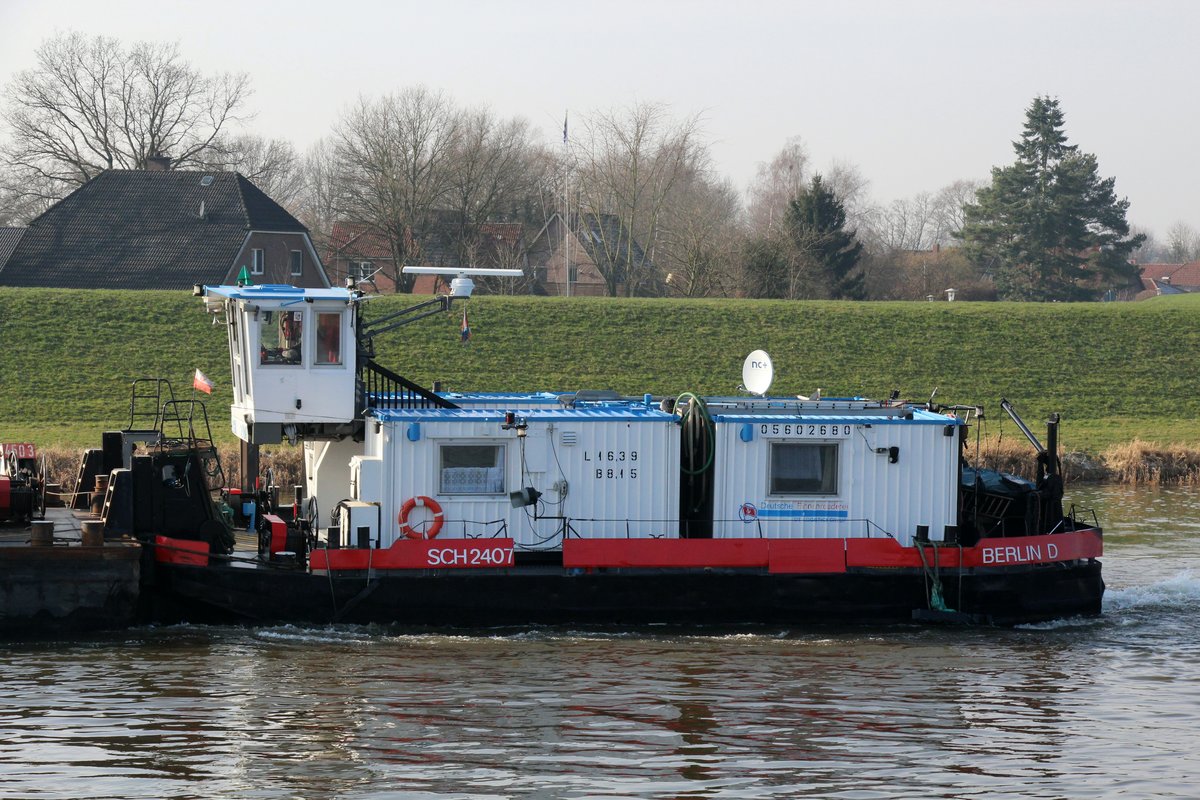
(1120, 373)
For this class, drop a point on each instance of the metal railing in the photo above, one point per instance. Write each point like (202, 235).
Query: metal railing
(383, 389)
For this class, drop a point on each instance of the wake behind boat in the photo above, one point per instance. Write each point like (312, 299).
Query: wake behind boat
(422, 507)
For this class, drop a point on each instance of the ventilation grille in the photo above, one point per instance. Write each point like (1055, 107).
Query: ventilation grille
(569, 438)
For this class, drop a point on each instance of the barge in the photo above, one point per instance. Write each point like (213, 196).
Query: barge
(421, 507)
(58, 576)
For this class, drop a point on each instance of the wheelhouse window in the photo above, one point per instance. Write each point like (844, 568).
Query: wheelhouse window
(258, 264)
(280, 334)
(329, 338)
(472, 469)
(297, 262)
(803, 468)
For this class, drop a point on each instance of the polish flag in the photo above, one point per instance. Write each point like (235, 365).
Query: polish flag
(201, 382)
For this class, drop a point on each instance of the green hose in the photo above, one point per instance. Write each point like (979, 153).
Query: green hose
(698, 405)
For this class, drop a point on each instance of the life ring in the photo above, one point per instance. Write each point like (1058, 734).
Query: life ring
(434, 508)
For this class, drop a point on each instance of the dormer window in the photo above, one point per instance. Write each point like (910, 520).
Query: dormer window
(258, 263)
(297, 263)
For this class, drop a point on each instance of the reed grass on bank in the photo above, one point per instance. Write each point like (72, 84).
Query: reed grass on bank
(1136, 463)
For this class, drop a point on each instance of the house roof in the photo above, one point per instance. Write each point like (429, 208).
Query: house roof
(1174, 275)
(604, 238)
(8, 242)
(358, 241)
(502, 231)
(137, 229)
(441, 245)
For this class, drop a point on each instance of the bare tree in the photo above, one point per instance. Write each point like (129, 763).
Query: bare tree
(949, 203)
(1183, 243)
(1151, 250)
(321, 197)
(851, 187)
(395, 157)
(777, 183)
(494, 172)
(701, 237)
(19, 202)
(92, 104)
(272, 164)
(629, 163)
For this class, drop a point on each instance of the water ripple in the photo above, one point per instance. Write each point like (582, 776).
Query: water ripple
(1095, 708)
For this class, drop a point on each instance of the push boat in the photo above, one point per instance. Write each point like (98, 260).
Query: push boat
(422, 507)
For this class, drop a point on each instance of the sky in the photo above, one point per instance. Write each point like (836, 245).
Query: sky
(915, 94)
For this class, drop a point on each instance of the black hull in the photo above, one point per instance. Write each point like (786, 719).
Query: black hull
(533, 596)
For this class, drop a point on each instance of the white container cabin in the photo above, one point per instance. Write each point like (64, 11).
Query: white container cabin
(833, 469)
(605, 470)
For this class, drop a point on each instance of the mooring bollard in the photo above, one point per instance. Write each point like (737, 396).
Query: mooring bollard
(96, 499)
(92, 533)
(42, 534)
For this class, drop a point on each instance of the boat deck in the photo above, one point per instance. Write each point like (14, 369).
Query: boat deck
(67, 528)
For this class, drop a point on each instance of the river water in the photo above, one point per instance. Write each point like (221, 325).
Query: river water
(1072, 709)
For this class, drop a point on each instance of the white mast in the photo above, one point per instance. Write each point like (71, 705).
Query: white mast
(566, 206)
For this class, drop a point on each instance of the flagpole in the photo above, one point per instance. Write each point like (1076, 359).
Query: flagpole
(566, 206)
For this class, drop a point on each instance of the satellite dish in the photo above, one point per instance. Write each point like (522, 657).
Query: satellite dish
(757, 373)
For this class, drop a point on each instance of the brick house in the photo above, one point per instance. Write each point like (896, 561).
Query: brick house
(1160, 279)
(162, 229)
(358, 251)
(593, 240)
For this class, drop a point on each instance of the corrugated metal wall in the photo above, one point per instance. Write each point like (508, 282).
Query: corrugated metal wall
(621, 476)
(873, 495)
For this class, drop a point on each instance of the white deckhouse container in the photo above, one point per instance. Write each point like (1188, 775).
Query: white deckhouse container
(603, 470)
(833, 468)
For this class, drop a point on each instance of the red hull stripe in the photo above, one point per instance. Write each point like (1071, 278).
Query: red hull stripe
(779, 556)
(1036, 549)
(665, 553)
(807, 555)
(825, 555)
(180, 551)
(5, 497)
(420, 554)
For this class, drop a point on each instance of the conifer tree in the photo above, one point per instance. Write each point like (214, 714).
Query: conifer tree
(1048, 227)
(826, 253)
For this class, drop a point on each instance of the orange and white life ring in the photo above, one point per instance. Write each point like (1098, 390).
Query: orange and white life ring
(434, 508)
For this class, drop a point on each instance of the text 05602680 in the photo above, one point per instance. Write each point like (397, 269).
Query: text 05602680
(804, 429)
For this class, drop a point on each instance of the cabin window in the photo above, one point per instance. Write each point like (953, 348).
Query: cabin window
(472, 469)
(280, 334)
(329, 338)
(803, 468)
(297, 263)
(258, 264)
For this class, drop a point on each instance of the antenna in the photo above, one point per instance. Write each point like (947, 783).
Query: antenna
(757, 373)
(462, 285)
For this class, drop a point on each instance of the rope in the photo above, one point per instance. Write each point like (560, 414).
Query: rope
(933, 580)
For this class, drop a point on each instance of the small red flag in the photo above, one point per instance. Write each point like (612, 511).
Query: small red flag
(466, 327)
(202, 383)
